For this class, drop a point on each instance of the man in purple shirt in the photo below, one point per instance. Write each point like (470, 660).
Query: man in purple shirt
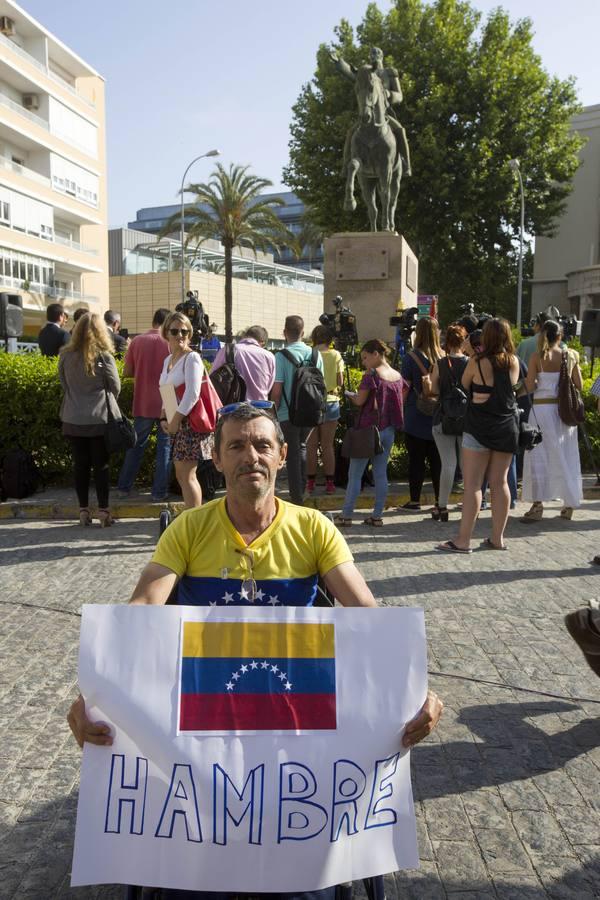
(255, 364)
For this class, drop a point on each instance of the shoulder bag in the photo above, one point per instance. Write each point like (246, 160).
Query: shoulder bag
(571, 410)
(425, 405)
(363, 443)
(454, 406)
(120, 433)
(203, 415)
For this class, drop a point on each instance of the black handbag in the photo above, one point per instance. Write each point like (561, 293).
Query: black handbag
(529, 435)
(362, 443)
(454, 406)
(119, 433)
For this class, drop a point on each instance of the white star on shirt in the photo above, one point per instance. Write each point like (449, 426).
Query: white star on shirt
(244, 594)
(229, 686)
(243, 669)
(235, 675)
(260, 594)
(253, 665)
(273, 601)
(264, 665)
(212, 603)
(288, 686)
(274, 669)
(228, 598)
(282, 676)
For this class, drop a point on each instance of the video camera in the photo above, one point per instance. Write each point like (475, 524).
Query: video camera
(570, 324)
(471, 320)
(405, 324)
(193, 309)
(343, 325)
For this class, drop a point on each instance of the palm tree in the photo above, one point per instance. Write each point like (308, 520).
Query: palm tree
(310, 237)
(229, 209)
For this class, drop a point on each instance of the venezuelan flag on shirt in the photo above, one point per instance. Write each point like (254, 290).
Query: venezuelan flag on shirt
(251, 676)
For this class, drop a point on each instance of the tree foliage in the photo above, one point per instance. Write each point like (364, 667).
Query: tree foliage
(230, 209)
(475, 96)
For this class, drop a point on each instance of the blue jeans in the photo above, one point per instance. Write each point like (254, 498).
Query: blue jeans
(355, 473)
(133, 458)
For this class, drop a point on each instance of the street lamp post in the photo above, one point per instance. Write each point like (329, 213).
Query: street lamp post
(202, 156)
(516, 167)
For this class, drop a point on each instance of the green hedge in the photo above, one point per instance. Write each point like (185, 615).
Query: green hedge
(30, 397)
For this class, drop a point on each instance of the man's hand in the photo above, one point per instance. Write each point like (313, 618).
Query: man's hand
(424, 723)
(84, 730)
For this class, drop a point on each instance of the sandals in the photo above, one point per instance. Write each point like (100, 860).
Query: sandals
(342, 521)
(84, 516)
(106, 519)
(534, 514)
(412, 504)
(439, 513)
(373, 521)
(566, 512)
(450, 547)
(487, 545)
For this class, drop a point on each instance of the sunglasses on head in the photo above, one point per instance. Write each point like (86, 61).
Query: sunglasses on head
(257, 404)
(174, 332)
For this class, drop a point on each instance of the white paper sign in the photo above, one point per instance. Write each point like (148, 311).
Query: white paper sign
(169, 400)
(316, 794)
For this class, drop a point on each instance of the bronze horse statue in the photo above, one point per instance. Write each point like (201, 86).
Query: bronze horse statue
(374, 156)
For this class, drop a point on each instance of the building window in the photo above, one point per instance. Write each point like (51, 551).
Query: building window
(47, 232)
(5, 212)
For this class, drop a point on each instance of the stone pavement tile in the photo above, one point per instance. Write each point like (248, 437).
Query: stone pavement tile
(447, 820)
(580, 824)
(10, 876)
(542, 837)
(485, 809)
(519, 888)
(423, 841)
(567, 883)
(523, 795)
(459, 861)
(420, 884)
(559, 789)
(503, 852)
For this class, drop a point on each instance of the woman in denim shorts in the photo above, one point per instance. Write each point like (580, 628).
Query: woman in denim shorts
(323, 435)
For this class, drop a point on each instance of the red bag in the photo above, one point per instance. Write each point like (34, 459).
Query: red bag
(203, 415)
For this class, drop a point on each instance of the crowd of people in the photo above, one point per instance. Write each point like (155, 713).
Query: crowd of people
(479, 447)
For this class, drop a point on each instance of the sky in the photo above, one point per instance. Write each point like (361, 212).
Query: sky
(186, 76)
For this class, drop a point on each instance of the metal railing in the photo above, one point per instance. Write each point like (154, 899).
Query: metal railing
(45, 69)
(36, 287)
(24, 171)
(17, 107)
(75, 245)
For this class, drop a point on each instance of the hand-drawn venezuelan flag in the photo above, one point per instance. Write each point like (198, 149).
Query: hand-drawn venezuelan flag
(250, 676)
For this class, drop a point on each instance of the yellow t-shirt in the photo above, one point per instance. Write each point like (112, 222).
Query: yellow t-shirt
(205, 550)
(333, 364)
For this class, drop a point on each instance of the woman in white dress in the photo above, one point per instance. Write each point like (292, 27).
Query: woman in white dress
(552, 470)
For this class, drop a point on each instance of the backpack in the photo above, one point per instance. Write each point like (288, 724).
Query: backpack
(20, 475)
(227, 381)
(308, 402)
(453, 406)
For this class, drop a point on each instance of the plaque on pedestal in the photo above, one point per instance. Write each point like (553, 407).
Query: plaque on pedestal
(376, 273)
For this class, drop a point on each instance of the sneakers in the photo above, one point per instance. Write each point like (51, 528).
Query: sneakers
(329, 486)
(310, 485)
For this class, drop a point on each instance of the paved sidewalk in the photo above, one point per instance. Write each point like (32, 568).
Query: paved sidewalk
(507, 788)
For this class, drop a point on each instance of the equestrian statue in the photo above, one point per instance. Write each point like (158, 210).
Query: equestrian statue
(376, 149)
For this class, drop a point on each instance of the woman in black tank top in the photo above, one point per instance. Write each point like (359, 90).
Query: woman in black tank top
(491, 434)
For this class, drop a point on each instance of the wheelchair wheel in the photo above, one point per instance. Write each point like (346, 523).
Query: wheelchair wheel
(164, 521)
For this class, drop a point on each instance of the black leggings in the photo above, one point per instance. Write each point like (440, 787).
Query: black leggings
(420, 451)
(90, 453)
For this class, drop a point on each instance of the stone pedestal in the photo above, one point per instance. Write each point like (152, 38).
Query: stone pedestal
(377, 275)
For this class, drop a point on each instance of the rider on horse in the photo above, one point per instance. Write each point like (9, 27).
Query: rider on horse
(393, 93)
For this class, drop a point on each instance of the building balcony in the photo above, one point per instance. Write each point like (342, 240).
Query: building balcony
(4, 41)
(24, 171)
(49, 290)
(42, 123)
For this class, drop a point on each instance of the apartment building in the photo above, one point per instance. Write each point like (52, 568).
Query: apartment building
(53, 212)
